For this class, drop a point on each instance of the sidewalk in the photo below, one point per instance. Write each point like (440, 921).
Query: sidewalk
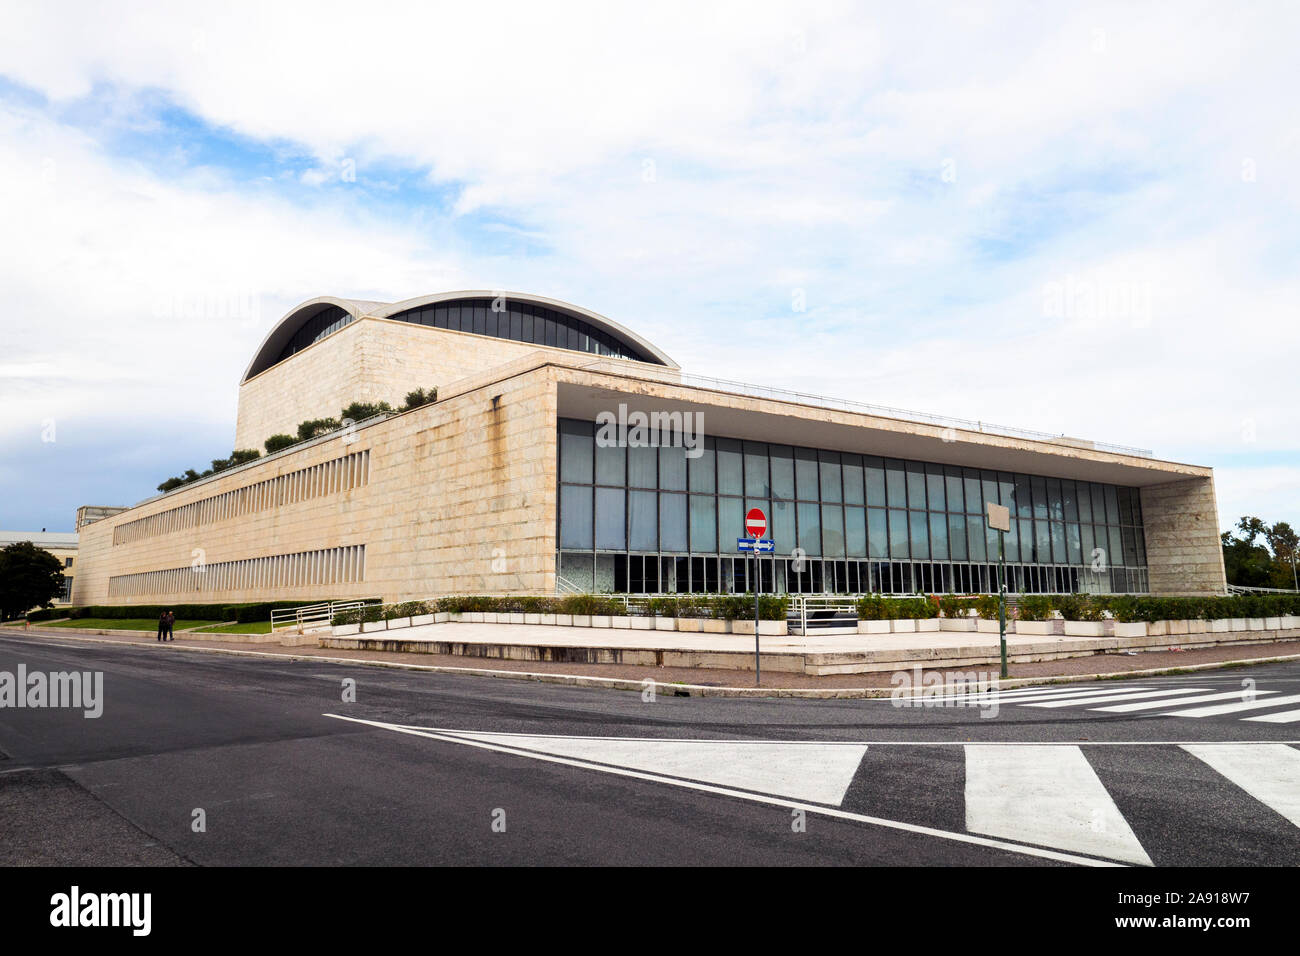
(698, 681)
(812, 655)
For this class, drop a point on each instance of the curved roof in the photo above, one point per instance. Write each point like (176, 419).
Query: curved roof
(282, 333)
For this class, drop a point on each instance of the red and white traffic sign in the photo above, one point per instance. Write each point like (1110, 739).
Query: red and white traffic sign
(755, 523)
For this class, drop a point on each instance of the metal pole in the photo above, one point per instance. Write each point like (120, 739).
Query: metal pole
(1002, 599)
(758, 672)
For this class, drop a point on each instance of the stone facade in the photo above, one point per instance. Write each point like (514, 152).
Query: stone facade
(1184, 553)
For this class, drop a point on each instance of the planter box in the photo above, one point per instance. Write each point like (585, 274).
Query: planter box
(1290, 621)
(928, 624)
(420, 619)
(1221, 626)
(1273, 623)
(621, 621)
(1254, 624)
(601, 620)
(343, 630)
(990, 627)
(1197, 626)
(643, 623)
(581, 620)
(1176, 627)
(371, 626)
(441, 617)
(1157, 628)
(711, 626)
(532, 618)
(399, 622)
(773, 628)
(1041, 628)
(564, 620)
(873, 627)
(664, 623)
(1237, 624)
(511, 618)
(956, 623)
(902, 626)
(547, 619)
(689, 624)
(473, 617)
(1131, 629)
(1085, 628)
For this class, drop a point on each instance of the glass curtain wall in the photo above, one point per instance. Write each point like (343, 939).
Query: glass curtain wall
(652, 520)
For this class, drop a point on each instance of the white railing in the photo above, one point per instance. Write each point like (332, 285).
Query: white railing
(312, 616)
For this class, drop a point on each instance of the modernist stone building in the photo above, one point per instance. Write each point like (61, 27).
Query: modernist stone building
(565, 452)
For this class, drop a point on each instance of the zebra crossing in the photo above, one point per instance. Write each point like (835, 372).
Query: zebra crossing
(1242, 703)
(1109, 803)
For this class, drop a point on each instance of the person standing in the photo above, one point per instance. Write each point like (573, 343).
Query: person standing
(171, 624)
(162, 625)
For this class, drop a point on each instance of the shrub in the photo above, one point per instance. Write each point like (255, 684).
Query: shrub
(279, 443)
(420, 397)
(316, 426)
(952, 606)
(1035, 607)
(986, 606)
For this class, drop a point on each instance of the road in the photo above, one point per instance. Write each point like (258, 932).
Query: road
(279, 767)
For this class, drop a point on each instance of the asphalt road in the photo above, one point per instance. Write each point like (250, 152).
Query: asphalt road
(442, 769)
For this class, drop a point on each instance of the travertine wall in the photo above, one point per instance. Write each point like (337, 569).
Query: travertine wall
(369, 360)
(1184, 553)
(461, 496)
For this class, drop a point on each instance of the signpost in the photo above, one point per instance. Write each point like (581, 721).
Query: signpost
(999, 519)
(756, 544)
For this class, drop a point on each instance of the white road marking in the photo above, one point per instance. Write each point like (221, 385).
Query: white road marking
(818, 772)
(1049, 796)
(833, 812)
(1286, 717)
(1106, 698)
(1269, 772)
(1154, 705)
(1216, 709)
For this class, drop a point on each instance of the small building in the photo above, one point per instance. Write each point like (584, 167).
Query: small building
(61, 544)
(565, 452)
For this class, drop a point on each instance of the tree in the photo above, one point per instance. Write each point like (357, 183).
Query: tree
(360, 411)
(29, 577)
(1248, 563)
(316, 426)
(419, 397)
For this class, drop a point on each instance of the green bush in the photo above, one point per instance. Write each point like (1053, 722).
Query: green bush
(952, 606)
(986, 606)
(279, 443)
(1035, 607)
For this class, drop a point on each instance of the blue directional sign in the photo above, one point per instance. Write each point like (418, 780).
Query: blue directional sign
(761, 545)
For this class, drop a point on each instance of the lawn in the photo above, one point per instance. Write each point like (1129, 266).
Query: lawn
(254, 627)
(120, 624)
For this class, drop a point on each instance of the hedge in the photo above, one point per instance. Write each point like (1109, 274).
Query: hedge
(727, 607)
(241, 613)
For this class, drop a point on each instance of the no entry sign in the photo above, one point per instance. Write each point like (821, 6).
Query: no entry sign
(755, 523)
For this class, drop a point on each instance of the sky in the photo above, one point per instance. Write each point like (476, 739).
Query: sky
(1075, 218)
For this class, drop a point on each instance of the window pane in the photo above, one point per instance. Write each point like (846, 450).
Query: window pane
(756, 477)
(1069, 501)
(1073, 544)
(1112, 505)
(805, 475)
(730, 480)
(952, 483)
(975, 491)
(832, 531)
(831, 481)
(853, 487)
(575, 517)
(1024, 502)
(898, 534)
(1058, 542)
(1083, 497)
(873, 470)
(702, 474)
(1039, 488)
(643, 519)
(975, 540)
(877, 533)
(1042, 541)
(731, 523)
(704, 524)
(810, 530)
(576, 450)
(643, 466)
(1055, 507)
(896, 481)
(782, 530)
(1026, 540)
(1086, 543)
(611, 465)
(934, 487)
(611, 531)
(939, 537)
(672, 522)
(855, 531)
(672, 467)
(781, 459)
(919, 534)
(957, 537)
(915, 487)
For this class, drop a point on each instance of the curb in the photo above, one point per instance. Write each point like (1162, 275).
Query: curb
(701, 690)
